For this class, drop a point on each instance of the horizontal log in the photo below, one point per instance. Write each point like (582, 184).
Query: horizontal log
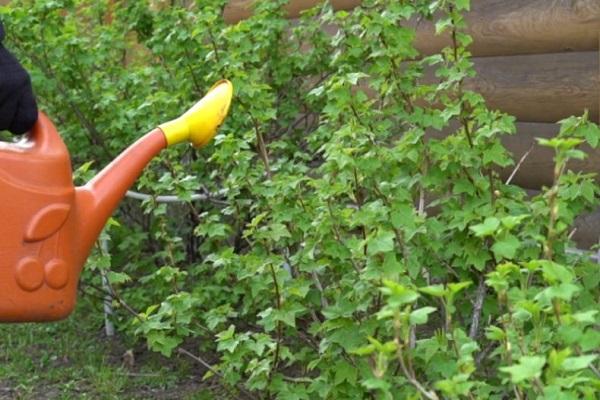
(542, 87)
(537, 167)
(498, 27)
(537, 87)
(237, 10)
(534, 88)
(507, 27)
(587, 230)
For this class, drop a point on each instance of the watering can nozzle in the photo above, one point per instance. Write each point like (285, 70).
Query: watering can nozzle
(200, 123)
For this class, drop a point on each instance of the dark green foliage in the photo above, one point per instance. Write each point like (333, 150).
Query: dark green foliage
(345, 255)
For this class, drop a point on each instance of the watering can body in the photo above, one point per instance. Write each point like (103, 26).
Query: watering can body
(48, 227)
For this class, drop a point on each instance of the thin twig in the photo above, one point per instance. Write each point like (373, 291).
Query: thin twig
(179, 349)
(431, 395)
(176, 199)
(592, 367)
(194, 357)
(301, 379)
(140, 374)
(477, 306)
(518, 166)
(324, 302)
(484, 353)
(262, 147)
(279, 325)
(421, 209)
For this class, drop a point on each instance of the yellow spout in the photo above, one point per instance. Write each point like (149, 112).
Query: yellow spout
(200, 123)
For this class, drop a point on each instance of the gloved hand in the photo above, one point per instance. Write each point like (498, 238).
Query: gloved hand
(18, 109)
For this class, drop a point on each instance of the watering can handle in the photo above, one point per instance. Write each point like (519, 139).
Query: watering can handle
(43, 138)
(200, 123)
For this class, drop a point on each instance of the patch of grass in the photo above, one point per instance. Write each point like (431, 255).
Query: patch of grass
(72, 359)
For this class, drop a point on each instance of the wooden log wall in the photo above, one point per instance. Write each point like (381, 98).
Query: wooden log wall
(237, 10)
(508, 27)
(540, 87)
(535, 59)
(499, 27)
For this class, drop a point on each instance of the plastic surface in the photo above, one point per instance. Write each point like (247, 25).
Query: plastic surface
(200, 123)
(49, 227)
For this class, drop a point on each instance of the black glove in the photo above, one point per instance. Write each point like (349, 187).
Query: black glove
(18, 109)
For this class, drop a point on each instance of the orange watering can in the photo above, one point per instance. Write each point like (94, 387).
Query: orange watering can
(48, 226)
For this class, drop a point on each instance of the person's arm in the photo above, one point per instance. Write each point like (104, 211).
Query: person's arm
(18, 109)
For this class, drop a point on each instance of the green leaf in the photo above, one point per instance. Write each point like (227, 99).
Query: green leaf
(495, 333)
(563, 291)
(278, 232)
(364, 351)
(498, 155)
(345, 372)
(529, 367)
(521, 315)
(458, 286)
(556, 358)
(383, 242)
(159, 341)
(421, 315)
(590, 340)
(591, 133)
(402, 216)
(354, 77)
(506, 247)
(559, 143)
(463, 5)
(434, 290)
(398, 294)
(577, 363)
(554, 272)
(487, 228)
(378, 384)
(118, 277)
(442, 24)
(586, 317)
(512, 221)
